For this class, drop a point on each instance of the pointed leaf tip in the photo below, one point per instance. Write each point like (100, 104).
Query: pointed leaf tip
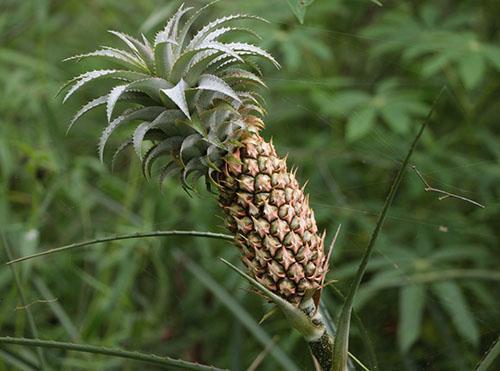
(214, 83)
(113, 97)
(178, 96)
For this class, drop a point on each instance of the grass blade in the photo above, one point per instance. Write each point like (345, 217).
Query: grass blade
(238, 311)
(137, 356)
(363, 332)
(17, 361)
(57, 309)
(96, 241)
(22, 298)
(491, 355)
(340, 345)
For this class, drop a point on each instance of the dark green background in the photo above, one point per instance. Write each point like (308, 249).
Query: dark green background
(356, 81)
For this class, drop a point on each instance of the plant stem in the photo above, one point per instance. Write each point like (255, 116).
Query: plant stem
(96, 241)
(322, 346)
(340, 346)
(365, 337)
(322, 350)
(150, 358)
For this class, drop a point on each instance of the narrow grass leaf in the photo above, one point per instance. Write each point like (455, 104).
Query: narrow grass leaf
(57, 309)
(454, 303)
(491, 355)
(363, 332)
(15, 360)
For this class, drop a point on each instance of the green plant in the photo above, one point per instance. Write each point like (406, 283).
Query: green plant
(195, 102)
(133, 294)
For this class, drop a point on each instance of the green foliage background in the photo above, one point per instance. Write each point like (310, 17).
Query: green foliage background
(356, 81)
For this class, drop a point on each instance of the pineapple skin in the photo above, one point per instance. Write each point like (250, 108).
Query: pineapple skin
(270, 216)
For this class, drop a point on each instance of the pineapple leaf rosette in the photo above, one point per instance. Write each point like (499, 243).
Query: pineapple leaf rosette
(196, 113)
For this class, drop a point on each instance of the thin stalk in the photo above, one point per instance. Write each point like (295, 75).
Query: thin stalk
(96, 241)
(365, 337)
(22, 298)
(137, 356)
(340, 345)
(489, 357)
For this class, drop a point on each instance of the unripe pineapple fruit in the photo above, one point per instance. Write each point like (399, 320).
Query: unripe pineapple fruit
(194, 101)
(272, 220)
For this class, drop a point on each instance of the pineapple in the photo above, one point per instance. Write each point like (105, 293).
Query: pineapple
(195, 103)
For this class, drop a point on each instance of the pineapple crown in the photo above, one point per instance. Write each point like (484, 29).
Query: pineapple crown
(190, 96)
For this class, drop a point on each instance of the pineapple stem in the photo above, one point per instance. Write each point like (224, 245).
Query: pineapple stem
(322, 350)
(322, 346)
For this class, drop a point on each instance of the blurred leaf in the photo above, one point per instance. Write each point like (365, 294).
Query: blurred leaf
(398, 107)
(17, 361)
(493, 55)
(396, 118)
(472, 68)
(299, 8)
(344, 102)
(438, 39)
(411, 308)
(453, 301)
(360, 123)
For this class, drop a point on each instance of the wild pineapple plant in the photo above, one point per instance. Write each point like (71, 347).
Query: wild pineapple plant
(198, 114)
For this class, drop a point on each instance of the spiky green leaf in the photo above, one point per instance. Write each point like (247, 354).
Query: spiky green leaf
(120, 56)
(192, 146)
(183, 62)
(146, 113)
(113, 97)
(177, 94)
(166, 117)
(201, 35)
(168, 170)
(253, 50)
(214, 83)
(164, 147)
(86, 108)
(95, 74)
(122, 147)
(142, 51)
